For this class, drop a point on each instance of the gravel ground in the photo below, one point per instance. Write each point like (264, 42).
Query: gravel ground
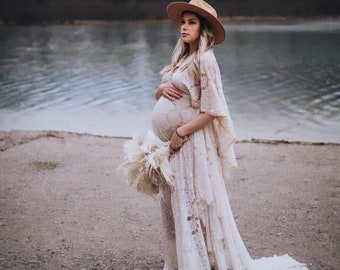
(64, 204)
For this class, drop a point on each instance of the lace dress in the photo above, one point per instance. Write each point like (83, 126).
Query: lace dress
(200, 231)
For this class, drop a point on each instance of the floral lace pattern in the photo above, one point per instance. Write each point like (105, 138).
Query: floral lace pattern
(199, 227)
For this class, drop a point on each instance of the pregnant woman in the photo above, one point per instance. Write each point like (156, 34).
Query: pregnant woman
(191, 113)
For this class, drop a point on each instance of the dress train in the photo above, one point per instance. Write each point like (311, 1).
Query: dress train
(207, 235)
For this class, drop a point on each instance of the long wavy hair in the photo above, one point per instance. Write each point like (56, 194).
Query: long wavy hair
(182, 49)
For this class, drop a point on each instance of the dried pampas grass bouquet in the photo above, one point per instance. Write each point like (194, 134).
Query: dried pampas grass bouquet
(146, 163)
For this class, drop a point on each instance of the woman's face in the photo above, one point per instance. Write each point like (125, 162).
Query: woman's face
(190, 28)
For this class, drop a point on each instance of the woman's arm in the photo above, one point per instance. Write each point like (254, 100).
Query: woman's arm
(195, 124)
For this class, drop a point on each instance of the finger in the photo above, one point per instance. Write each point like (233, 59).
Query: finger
(167, 95)
(173, 150)
(170, 97)
(175, 90)
(176, 94)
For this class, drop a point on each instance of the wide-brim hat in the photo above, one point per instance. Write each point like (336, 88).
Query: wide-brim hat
(175, 11)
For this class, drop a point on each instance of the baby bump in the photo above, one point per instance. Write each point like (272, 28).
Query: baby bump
(168, 115)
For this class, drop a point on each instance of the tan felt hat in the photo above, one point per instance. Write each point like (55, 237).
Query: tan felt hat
(203, 9)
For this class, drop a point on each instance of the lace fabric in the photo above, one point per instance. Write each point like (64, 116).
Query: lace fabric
(200, 231)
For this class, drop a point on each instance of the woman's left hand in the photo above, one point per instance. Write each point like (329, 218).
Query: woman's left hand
(176, 143)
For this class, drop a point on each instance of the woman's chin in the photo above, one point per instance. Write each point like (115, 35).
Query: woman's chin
(185, 40)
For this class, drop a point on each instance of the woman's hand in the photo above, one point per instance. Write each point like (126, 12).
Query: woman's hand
(176, 142)
(169, 91)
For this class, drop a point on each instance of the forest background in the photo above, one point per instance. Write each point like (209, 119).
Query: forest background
(68, 11)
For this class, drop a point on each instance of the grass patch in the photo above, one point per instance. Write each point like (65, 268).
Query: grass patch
(46, 165)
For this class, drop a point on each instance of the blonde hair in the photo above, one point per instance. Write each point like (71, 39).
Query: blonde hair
(206, 42)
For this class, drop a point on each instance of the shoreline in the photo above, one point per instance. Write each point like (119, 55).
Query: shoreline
(225, 19)
(12, 138)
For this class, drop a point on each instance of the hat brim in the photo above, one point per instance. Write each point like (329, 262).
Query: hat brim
(175, 11)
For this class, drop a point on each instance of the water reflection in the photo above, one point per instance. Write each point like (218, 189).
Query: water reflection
(281, 80)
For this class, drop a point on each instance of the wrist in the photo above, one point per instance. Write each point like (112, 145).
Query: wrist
(179, 134)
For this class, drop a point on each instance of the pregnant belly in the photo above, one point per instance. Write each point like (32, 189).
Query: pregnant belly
(168, 115)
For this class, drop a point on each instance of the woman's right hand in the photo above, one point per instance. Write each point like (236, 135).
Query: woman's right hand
(169, 91)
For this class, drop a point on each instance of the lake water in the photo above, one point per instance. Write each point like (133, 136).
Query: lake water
(281, 80)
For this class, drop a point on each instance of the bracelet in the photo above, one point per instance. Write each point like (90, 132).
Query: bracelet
(182, 137)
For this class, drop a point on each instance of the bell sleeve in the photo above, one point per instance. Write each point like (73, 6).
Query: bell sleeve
(213, 101)
(212, 96)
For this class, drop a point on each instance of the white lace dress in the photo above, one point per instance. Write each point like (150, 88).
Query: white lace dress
(200, 230)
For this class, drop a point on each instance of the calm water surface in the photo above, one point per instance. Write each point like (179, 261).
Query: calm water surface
(281, 80)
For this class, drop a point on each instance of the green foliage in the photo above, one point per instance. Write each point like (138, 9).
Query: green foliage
(28, 11)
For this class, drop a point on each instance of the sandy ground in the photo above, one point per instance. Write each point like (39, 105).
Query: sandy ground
(64, 204)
